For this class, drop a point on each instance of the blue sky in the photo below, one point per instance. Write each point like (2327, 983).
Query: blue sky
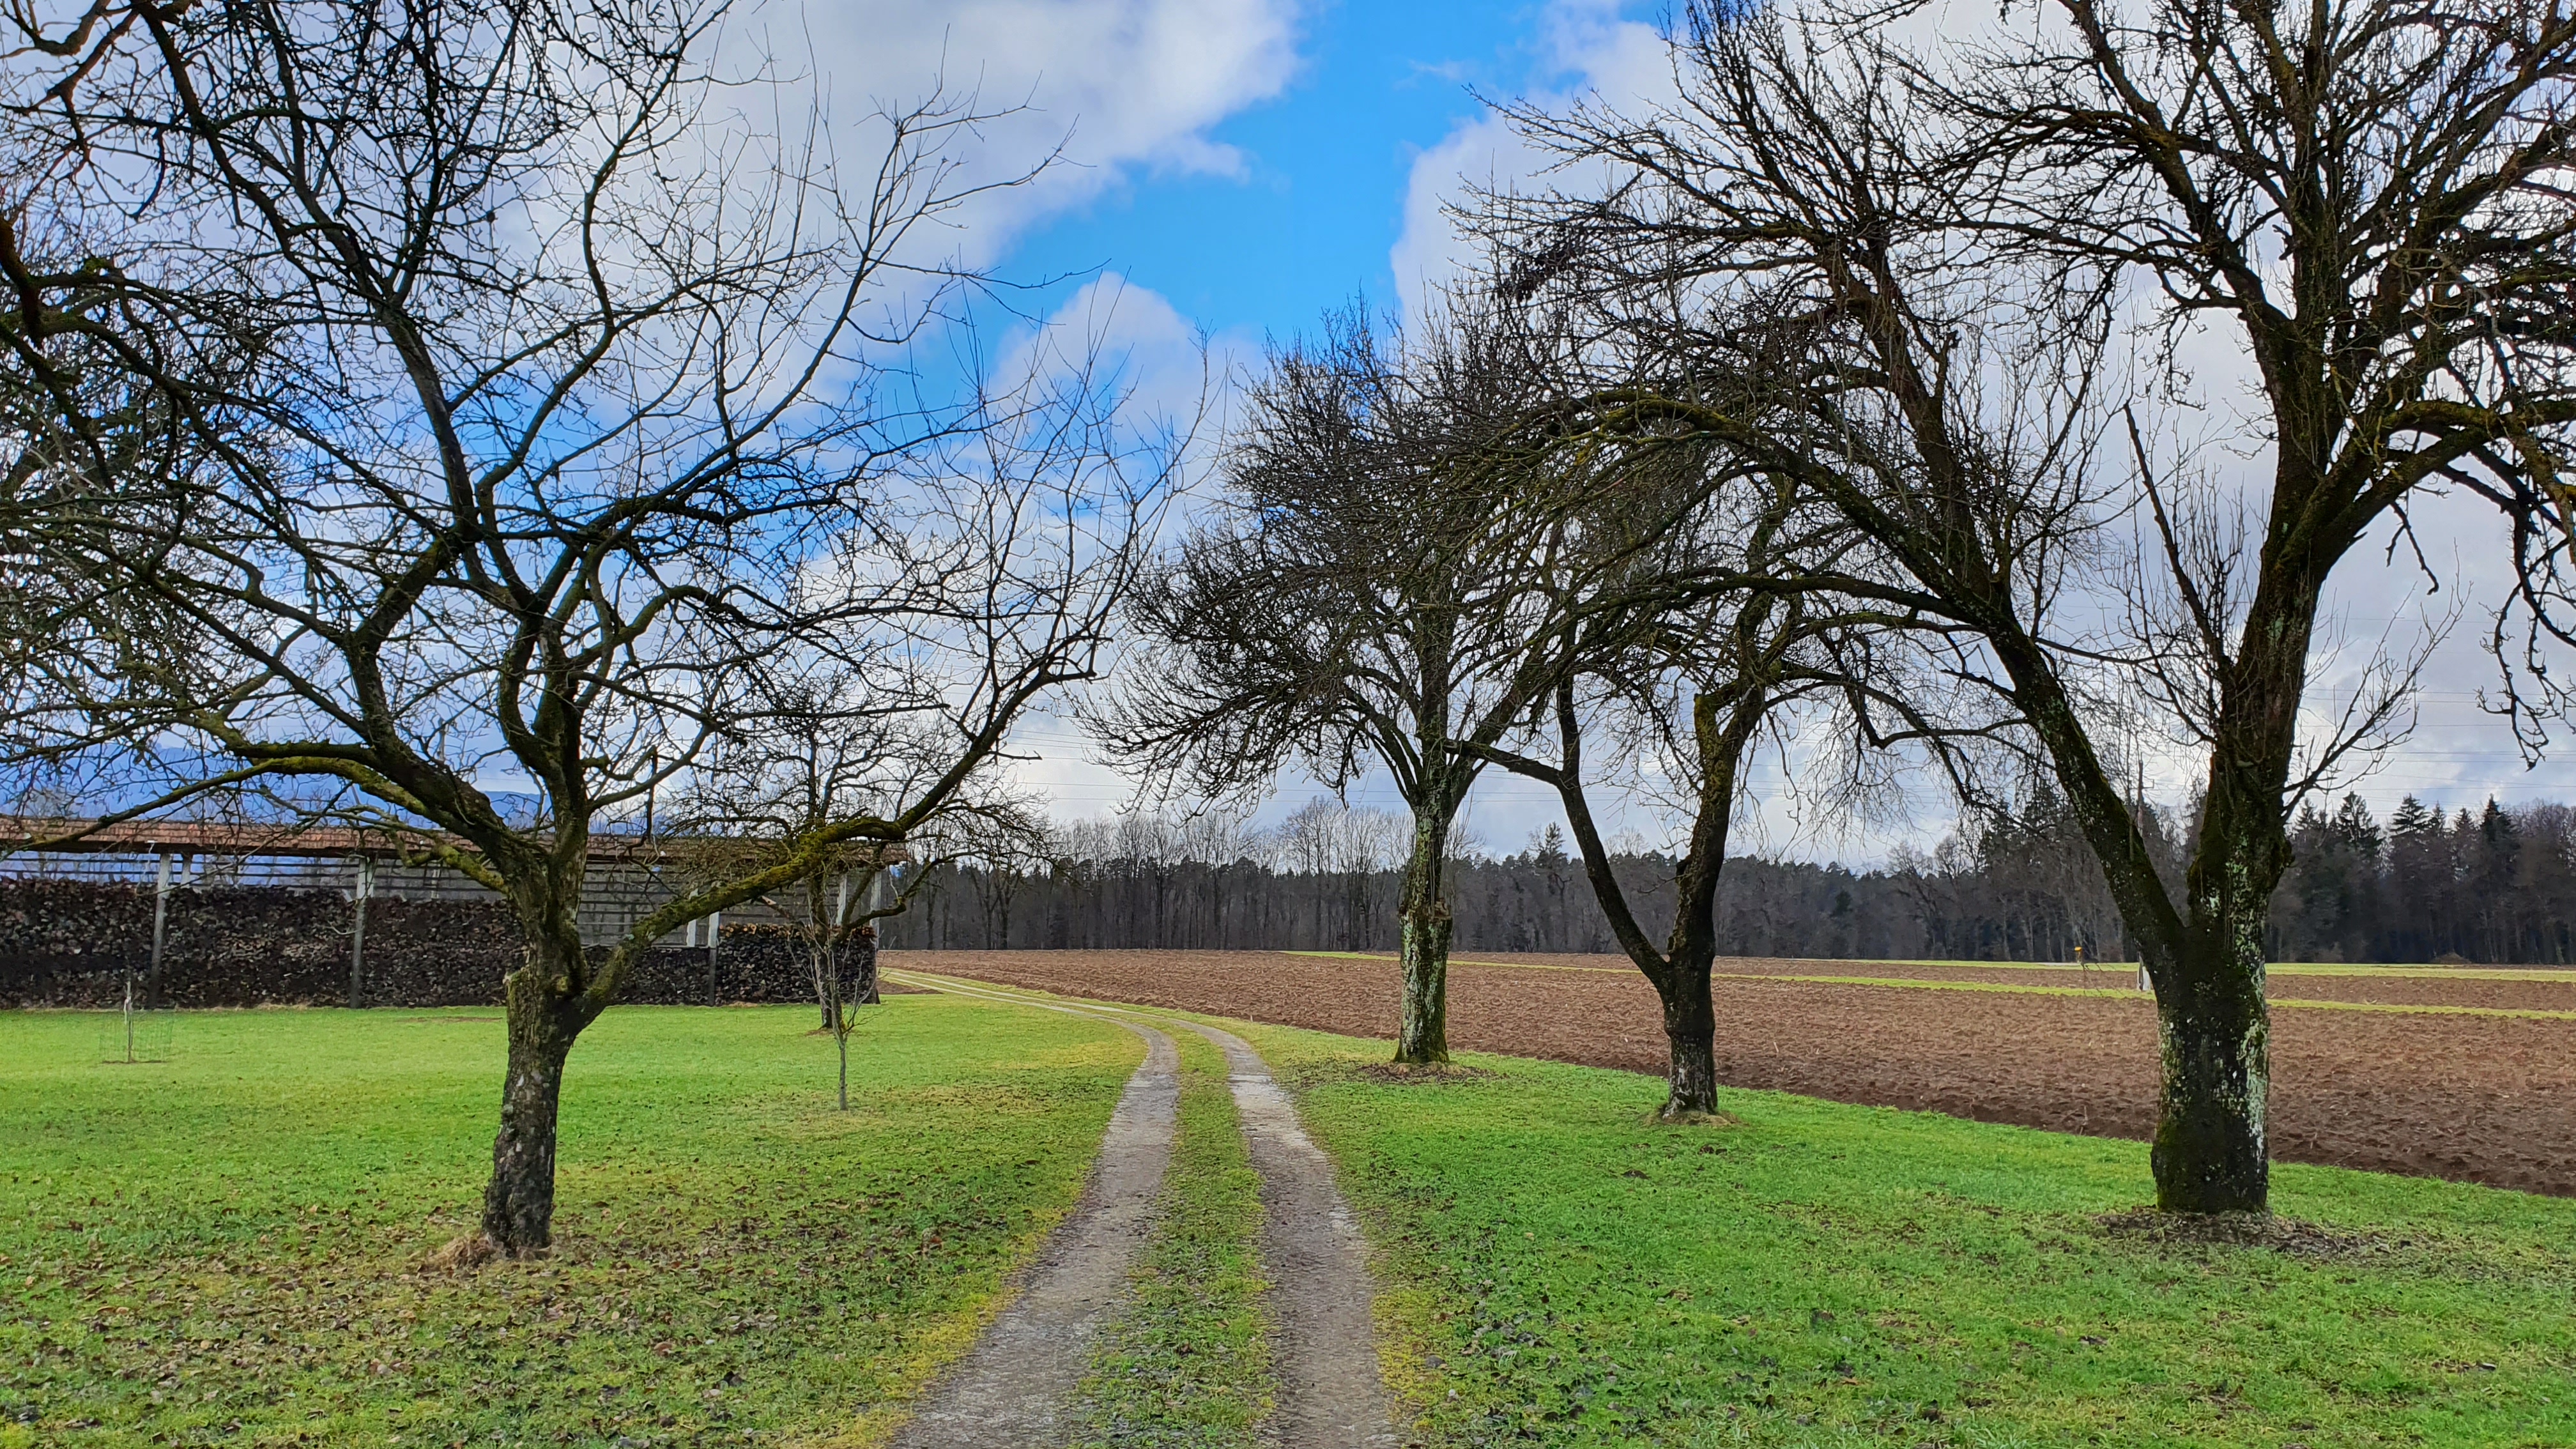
(1313, 216)
(1319, 184)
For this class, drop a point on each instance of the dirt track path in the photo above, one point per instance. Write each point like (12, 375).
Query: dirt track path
(1011, 1391)
(1330, 1393)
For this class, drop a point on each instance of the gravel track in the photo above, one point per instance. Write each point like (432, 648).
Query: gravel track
(1330, 1393)
(1012, 1389)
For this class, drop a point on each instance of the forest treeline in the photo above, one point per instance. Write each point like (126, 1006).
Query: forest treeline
(2496, 885)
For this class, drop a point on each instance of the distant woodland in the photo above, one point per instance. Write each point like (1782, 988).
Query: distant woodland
(2492, 885)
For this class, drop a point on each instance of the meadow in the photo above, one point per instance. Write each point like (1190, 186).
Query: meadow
(235, 1246)
(231, 1247)
(1821, 1274)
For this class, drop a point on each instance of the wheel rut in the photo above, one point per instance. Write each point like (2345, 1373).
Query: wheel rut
(1330, 1393)
(1012, 1388)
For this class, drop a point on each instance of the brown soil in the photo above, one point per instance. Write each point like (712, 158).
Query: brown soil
(2476, 1098)
(2430, 989)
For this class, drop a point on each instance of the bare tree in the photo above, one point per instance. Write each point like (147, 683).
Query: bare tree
(1326, 839)
(1700, 649)
(532, 403)
(1368, 594)
(819, 740)
(2372, 197)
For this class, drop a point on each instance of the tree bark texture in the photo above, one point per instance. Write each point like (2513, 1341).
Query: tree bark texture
(1422, 1037)
(1690, 1026)
(2213, 1025)
(519, 1202)
(2210, 1153)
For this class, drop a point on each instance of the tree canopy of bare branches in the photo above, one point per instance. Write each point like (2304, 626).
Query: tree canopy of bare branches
(1370, 592)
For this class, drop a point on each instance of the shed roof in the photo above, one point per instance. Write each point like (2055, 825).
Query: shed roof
(213, 837)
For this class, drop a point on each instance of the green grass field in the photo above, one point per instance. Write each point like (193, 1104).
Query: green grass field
(226, 1248)
(1833, 1275)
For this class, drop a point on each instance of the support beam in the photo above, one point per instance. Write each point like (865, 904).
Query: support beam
(366, 886)
(715, 929)
(160, 928)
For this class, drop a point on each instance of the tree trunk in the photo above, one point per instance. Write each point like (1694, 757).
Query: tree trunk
(2214, 1030)
(519, 1203)
(865, 990)
(1423, 1037)
(2212, 1026)
(827, 995)
(1424, 926)
(828, 983)
(1690, 1026)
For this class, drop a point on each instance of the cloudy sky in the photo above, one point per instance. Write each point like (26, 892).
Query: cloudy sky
(1232, 168)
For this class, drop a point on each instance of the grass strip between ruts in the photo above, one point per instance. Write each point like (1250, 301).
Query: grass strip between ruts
(227, 1247)
(1185, 1361)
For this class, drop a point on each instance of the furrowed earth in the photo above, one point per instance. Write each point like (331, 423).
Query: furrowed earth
(2461, 1073)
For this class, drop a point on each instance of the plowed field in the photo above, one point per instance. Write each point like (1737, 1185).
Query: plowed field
(2384, 1071)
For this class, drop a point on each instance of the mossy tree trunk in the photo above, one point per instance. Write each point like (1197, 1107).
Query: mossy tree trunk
(547, 1009)
(2204, 955)
(1424, 927)
(2210, 1153)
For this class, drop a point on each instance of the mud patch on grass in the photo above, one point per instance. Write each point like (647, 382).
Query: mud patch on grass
(2292, 1237)
(1337, 1072)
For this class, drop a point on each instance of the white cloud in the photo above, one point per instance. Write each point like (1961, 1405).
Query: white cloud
(1173, 375)
(1588, 50)
(1123, 86)
(1161, 359)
